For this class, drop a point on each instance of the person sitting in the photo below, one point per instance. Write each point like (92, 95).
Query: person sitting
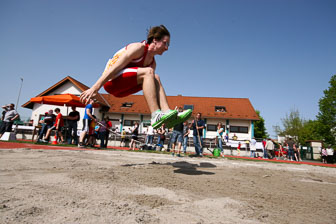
(47, 122)
(58, 125)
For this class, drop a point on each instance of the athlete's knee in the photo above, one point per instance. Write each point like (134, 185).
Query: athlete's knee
(149, 72)
(157, 77)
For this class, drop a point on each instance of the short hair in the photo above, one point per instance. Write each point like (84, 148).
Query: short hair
(157, 33)
(57, 110)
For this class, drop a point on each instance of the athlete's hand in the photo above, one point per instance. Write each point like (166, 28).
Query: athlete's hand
(87, 95)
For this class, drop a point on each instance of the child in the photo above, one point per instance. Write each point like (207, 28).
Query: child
(238, 149)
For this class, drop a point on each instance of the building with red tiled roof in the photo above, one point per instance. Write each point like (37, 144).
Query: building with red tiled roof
(237, 114)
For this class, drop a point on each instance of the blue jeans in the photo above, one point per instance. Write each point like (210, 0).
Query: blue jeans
(198, 148)
(72, 127)
(220, 144)
(252, 154)
(291, 153)
(185, 144)
(102, 136)
(149, 139)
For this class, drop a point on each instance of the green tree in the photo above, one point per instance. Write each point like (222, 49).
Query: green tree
(259, 127)
(292, 126)
(310, 131)
(327, 113)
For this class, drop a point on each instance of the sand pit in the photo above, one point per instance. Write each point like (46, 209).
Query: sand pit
(55, 186)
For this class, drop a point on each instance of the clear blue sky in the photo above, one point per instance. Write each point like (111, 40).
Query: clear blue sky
(280, 54)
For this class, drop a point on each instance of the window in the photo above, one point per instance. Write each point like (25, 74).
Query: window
(186, 107)
(127, 104)
(129, 122)
(211, 127)
(146, 123)
(238, 129)
(220, 109)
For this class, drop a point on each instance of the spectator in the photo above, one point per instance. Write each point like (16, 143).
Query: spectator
(330, 152)
(235, 137)
(123, 138)
(296, 152)
(290, 145)
(324, 155)
(253, 147)
(162, 135)
(238, 148)
(88, 117)
(5, 109)
(227, 137)
(58, 125)
(264, 148)
(10, 116)
(149, 135)
(102, 132)
(270, 149)
(198, 125)
(177, 136)
(47, 122)
(134, 135)
(186, 132)
(93, 132)
(108, 129)
(281, 153)
(219, 134)
(73, 119)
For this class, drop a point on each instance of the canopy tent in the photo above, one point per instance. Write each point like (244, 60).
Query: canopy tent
(61, 100)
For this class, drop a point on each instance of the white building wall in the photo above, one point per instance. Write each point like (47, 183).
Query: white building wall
(40, 109)
(244, 123)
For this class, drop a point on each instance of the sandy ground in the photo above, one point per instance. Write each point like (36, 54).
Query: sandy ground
(55, 186)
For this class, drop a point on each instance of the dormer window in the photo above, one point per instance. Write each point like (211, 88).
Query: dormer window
(220, 109)
(127, 104)
(186, 107)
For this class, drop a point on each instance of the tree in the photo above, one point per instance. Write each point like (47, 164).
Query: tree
(259, 127)
(292, 126)
(327, 113)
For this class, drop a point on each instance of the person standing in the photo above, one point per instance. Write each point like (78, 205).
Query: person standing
(162, 136)
(123, 138)
(88, 118)
(108, 129)
(219, 135)
(73, 119)
(10, 116)
(290, 145)
(197, 126)
(253, 147)
(186, 132)
(149, 135)
(102, 131)
(270, 148)
(134, 135)
(177, 137)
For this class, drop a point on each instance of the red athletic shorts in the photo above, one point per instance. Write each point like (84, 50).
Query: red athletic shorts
(124, 84)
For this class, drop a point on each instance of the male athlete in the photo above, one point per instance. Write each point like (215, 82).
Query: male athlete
(133, 69)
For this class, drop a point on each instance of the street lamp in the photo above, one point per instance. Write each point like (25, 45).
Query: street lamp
(17, 102)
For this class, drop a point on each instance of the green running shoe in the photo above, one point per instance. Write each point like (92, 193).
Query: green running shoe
(181, 117)
(162, 117)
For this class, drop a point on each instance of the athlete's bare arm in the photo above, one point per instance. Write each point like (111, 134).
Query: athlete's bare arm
(133, 51)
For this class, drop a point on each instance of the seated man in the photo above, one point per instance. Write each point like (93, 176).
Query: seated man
(46, 123)
(59, 123)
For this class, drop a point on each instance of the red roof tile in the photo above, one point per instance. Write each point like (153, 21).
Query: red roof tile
(236, 108)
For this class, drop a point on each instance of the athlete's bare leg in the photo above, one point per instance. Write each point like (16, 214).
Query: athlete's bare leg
(153, 90)
(161, 93)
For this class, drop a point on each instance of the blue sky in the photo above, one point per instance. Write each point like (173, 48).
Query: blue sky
(279, 54)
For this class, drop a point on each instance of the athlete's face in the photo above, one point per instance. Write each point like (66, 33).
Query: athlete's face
(162, 45)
